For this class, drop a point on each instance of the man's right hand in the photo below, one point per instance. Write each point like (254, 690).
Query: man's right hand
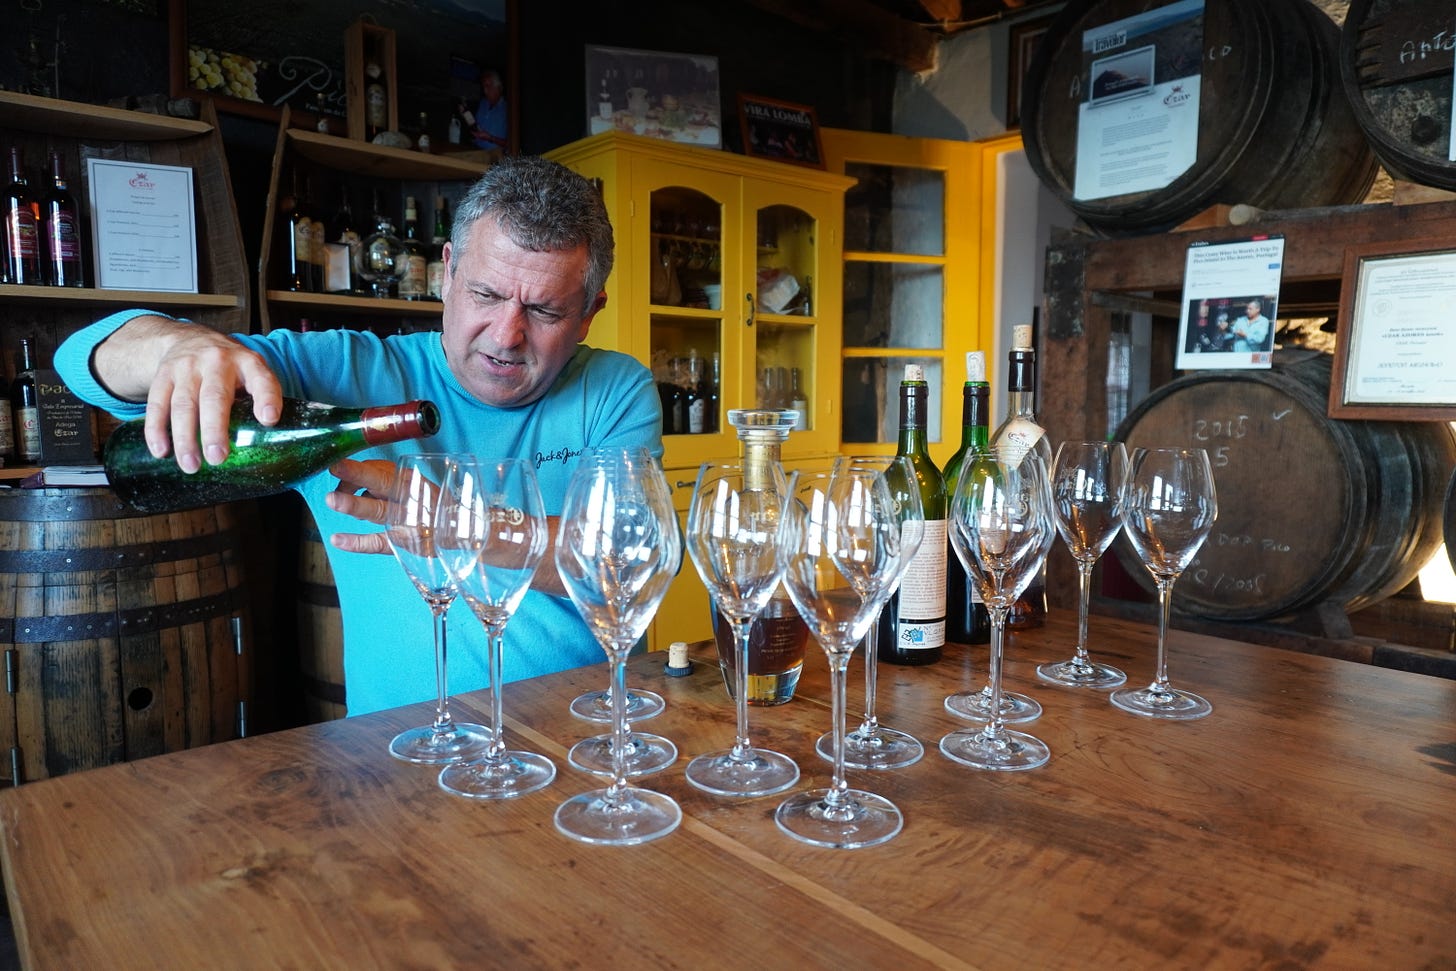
(189, 375)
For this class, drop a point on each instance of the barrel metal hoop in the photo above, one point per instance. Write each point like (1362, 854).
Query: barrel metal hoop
(39, 506)
(95, 626)
(318, 594)
(117, 557)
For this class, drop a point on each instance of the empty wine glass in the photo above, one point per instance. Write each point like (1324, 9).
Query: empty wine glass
(871, 745)
(1087, 502)
(617, 550)
(840, 545)
(596, 706)
(1001, 529)
(1169, 506)
(492, 536)
(732, 525)
(412, 531)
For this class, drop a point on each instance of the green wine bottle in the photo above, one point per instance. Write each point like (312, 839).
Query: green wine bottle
(966, 619)
(262, 459)
(912, 623)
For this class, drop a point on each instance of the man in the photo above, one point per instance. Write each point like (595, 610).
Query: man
(528, 257)
(1252, 330)
(492, 120)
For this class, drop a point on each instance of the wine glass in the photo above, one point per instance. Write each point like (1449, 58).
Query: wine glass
(840, 545)
(410, 517)
(732, 525)
(1087, 502)
(1168, 510)
(1001, 529)
(596, 706)
(492, 536)
(617, 550)
(871, 745)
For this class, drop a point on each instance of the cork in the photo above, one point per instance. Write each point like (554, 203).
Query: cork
(976, 366)
(914, 372)
(1021, 337)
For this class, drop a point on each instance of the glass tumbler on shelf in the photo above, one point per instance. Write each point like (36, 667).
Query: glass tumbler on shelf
(1168, 509)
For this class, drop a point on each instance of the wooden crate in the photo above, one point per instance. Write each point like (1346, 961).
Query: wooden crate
(361, 39)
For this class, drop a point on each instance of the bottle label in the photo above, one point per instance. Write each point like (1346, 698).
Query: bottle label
(412, 284)
(1020, 436)
(29, 437)
(7, 432)
(434, 278)
(63, 238)
(921, 624)
(20, 230)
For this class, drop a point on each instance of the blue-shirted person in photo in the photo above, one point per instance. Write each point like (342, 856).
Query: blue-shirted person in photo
(526, 266)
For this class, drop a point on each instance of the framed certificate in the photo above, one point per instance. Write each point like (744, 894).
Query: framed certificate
(1397, 333)
(143, 226)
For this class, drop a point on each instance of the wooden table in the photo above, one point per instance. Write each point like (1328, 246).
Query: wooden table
(1307, 823)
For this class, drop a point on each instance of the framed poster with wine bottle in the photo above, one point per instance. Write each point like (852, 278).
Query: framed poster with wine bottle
(252, 59)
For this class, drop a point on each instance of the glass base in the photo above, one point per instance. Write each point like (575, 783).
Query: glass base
(887, 748)
(646, 754)
(760, 773)
(511, 774)
(1168, 703)
(975, 706)
(461, 742)
(857, 818)
(637, 816)
(1081, 674)
(596, 706)
(1005, 751)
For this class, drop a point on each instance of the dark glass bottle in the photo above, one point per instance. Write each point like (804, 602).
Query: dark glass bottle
(7, 424)
(1020, 429)
(912, 624)
(966, 620)
(295, 235)
(25, 405)
(342, 231)
(62, 230)
(435, 265)
(262, 459)
(22, 227)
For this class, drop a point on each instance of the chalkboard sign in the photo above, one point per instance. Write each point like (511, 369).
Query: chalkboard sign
(254, 58)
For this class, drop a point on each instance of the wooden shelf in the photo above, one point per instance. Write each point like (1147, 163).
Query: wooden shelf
(369, 305)
(90, 296)
(92, 123)
(377, 161)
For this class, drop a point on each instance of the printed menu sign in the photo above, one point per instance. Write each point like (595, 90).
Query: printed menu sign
(65, 422)
(1137, 126)
(144, 226)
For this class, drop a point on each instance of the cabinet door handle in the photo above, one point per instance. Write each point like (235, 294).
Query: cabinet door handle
(680, 484)
(749, 298)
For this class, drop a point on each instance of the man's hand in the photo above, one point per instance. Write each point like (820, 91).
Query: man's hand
(362, 492)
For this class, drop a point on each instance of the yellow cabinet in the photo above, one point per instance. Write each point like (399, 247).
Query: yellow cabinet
(728, 285)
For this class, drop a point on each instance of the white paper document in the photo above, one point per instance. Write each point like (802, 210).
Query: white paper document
(1230, 297)
(143, 226)
(1403, 338)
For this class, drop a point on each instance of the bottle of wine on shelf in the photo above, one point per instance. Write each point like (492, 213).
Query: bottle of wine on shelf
(343, 233)
(295, 237)
(966, 620)
(416, 260)
(262, 459)
(25, 403)
(376, 100)
(22, 227)
(1021, 430)
(7, 424)
(62, 229)
(315, 254)
(435, 265)
(912, 623)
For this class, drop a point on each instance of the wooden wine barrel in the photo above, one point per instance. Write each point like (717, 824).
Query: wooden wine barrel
(1448, 527)
(1311, 510)
(1396, 59)
(126, 635)
(320, 628)
(1274, 128)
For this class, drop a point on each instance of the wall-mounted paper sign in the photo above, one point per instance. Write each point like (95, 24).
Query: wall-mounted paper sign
(143, 226)
(1230, 295)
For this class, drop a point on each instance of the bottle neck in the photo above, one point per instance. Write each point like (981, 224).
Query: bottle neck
(1021, 385)
(975, 415)
(913, 401)
(26, 364)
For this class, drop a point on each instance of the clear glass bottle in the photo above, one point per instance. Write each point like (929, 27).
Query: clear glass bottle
(912, 623)
(412, 286)
(1021, 430)
(966, 619)
(435, 264)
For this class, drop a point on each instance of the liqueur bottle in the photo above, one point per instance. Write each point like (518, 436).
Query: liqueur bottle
(22, 227)
(966, 620)
(1021, 430)
(435, 264)
(376, 100)
(416, 260)
(262, 459)
(912, 624)
(7, 426)
(25, 403)
(343, 232)
(777, 636)
(62, 230)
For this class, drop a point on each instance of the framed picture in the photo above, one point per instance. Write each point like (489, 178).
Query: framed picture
(780, 130)
(254, 58)
(654, 93)
(1396, 337)
(1024, 38)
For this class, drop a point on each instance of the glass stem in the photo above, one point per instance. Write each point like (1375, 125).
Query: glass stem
(838, 670)
(617, 791)
(870, 727)
(443, 721)
(1084, 589)
(994, 725)
(742, 749)
(1165, 613)
(496, 635)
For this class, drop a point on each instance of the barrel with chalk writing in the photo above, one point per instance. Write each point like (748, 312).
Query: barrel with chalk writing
(1312, 511)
